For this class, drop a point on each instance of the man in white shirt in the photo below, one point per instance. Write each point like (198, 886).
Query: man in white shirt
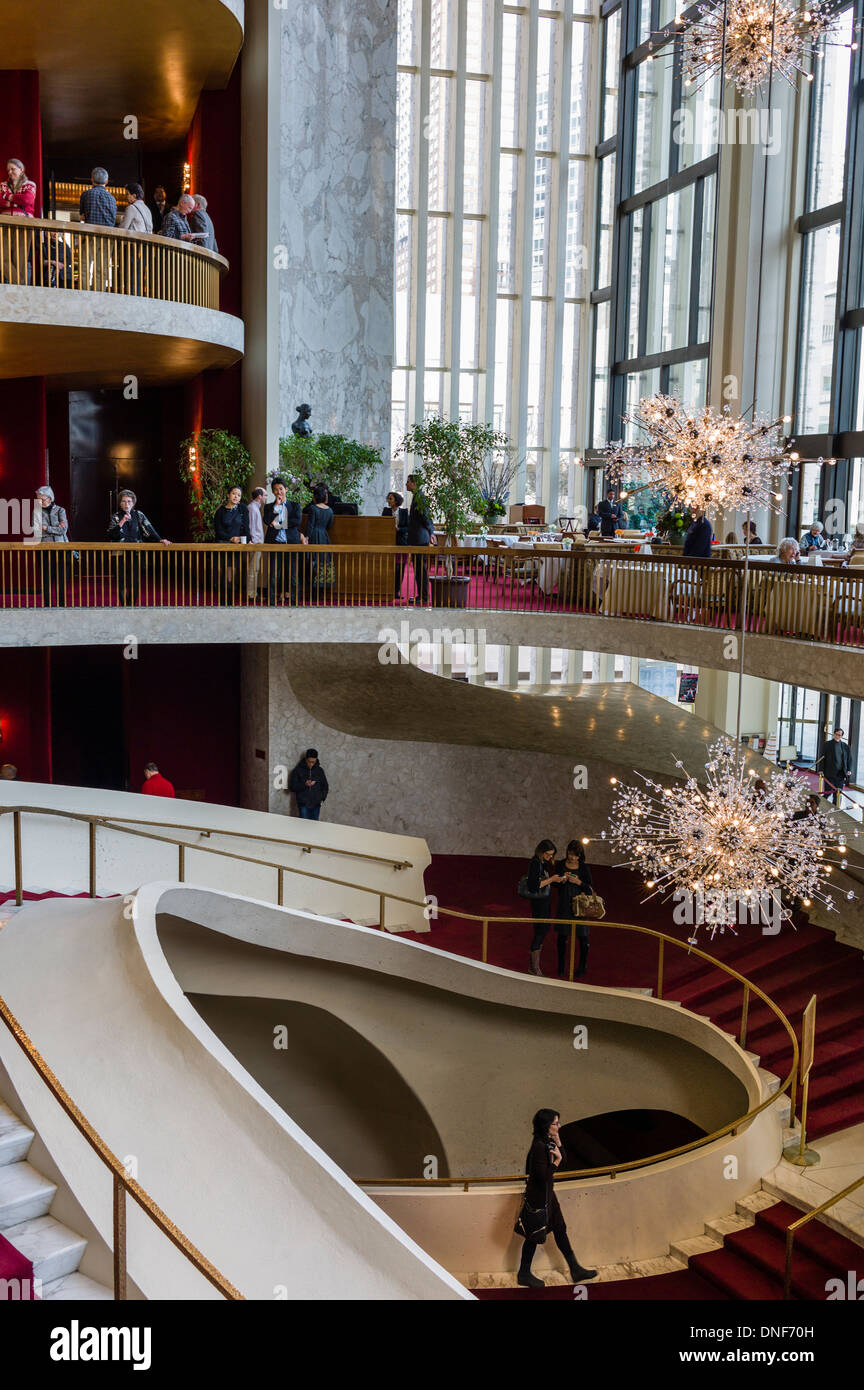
(256, 537)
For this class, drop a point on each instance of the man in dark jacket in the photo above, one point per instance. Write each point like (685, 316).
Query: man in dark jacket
(309, 785)
(421, 531)
(201, 223)
(611, 513)
(697, 541)
(836, 765)
(281, 520)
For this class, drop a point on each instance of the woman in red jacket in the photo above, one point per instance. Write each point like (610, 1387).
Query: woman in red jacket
(17, 199)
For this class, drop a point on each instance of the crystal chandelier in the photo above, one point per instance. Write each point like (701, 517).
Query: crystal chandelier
(704, 460)
(735, 842)
(750, 41)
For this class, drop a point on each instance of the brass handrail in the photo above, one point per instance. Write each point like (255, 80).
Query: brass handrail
(119, 821)
(792, 1230)
(43, 253)
(122, 1182)
(662, 939)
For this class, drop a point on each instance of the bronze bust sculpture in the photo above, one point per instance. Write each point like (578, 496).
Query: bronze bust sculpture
(301, 425)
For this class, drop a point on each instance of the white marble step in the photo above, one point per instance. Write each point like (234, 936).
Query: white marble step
(15, 1138)
(723, 1226)
(24, 1194)
(755, 1202)
(52, 1249)
(76, 1288)
(694, 1245)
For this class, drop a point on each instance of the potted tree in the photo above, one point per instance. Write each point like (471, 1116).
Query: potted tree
(673, 524)
(210, 463)
(452, 456)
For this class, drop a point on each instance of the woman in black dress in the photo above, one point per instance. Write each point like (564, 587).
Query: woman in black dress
(317, 520)
(541, 876)
(574, 877)
(544, 1157)
(231, 527)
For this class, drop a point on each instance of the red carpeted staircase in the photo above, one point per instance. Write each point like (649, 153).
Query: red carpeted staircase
(750, 1267)
(16, 1275)
(789, 967)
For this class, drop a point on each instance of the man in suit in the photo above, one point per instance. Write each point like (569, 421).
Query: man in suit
(837, 765)
(421, 531)
(611, 513)
(281, 520)
(697, 542)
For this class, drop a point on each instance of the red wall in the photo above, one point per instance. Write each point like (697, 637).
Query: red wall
(23, 438)
(213, 154)
(25, 712)
(183, 713)
(21, 125)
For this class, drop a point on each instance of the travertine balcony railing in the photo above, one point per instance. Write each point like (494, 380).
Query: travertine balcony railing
(820, 604)
(46, 254)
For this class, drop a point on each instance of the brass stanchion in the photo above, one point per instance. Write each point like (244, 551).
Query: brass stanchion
(798, 1153)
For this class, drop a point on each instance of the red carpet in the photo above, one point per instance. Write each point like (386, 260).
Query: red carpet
(16, 1275)
(789, 967)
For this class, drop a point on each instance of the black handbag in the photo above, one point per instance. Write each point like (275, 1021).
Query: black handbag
(525, 892)
(532, 1223)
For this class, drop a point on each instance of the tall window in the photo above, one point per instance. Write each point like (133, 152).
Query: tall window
(656, 171)
(493, 143)
(829, 385)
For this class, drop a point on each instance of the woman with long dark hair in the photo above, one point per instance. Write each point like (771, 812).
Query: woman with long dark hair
(541, 1211)
(574, 877)
(541, 875)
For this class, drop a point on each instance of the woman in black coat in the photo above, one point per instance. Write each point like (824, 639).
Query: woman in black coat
(544, 1157)
(574, 877)
(399, 512)
(231, 526)
(541, 876)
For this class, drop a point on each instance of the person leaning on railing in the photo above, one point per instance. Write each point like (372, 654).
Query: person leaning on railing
(51, 528)
(175, 224)
(17, 199)
(130, 527)
(138, 218)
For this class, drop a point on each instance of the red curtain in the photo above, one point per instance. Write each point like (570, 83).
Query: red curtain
(21, 124)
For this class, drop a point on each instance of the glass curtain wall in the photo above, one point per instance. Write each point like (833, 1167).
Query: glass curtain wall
(829, 379)
(494, 139)
(656, 173)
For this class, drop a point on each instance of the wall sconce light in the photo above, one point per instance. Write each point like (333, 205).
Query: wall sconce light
(187, 177)
(193, 458)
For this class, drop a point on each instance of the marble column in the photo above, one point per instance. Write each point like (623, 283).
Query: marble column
(336, 212)
(508, 667)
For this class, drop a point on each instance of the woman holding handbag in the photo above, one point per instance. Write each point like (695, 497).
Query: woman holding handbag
(574, 882)
(541, 1212)
(536, 887)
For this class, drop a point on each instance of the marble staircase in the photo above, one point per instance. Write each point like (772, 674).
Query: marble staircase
(26, 1198)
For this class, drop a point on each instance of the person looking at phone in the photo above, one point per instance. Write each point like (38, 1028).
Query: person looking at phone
(544, 1157)
(541, 876)
(574, 877)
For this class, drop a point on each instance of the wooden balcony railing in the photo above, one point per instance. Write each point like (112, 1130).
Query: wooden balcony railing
(75, 256)
(820, 605)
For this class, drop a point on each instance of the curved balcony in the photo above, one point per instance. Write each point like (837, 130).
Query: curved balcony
(88, 306)
(668, 607)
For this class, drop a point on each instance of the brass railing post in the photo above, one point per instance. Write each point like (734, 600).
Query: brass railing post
(787, 1277)
(19, 872)
(660, 969)
(572, 949)
(280, 888)
(119, 1239)
(92, 859)
(485, 939)
(181, 862)
(381, 901)
(745, 1006)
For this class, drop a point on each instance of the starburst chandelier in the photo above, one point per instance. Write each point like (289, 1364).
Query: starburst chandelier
(705, 460)
(749, 40)
(735, 842)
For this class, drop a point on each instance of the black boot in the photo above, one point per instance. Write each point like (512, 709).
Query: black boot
(579, 1275)
(525, 1277)
(583, 957)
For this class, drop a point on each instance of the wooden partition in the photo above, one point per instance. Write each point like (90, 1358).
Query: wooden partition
(364, 576)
